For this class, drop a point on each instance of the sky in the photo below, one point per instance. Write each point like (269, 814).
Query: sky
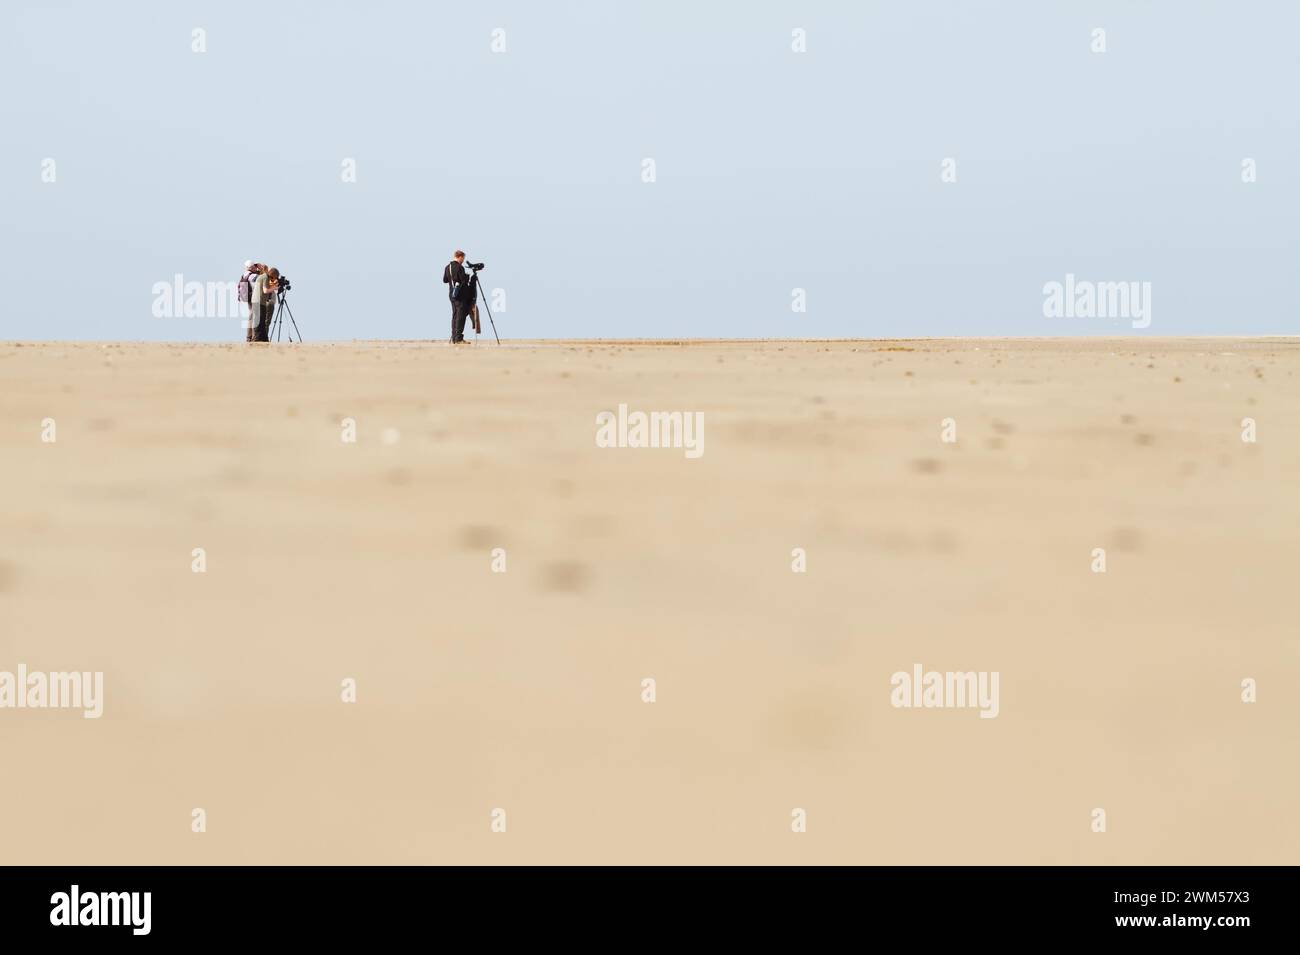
(800, 182)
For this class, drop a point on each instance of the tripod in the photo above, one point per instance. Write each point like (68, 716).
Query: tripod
(485, 305)
(277, 323)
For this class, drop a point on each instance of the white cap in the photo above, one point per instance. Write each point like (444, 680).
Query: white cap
(248, 264)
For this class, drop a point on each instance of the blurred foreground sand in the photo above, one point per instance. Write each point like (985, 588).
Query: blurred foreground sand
(522, 690)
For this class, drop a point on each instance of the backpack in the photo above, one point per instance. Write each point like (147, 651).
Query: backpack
(246, 288)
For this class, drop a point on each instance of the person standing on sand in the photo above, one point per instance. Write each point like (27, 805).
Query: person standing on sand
(268, 306)
(263, 302)
(252, 315)
(458, 291)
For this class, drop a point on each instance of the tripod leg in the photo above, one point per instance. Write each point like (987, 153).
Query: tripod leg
(489, 311)
(295, 323)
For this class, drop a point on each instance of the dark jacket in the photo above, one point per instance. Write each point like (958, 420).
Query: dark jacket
(452, 275)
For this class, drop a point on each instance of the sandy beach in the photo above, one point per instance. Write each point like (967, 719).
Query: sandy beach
(500, 587)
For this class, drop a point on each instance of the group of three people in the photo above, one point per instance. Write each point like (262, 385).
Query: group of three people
(257, 290)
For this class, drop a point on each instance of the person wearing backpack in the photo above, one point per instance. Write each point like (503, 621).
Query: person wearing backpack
(252, 317)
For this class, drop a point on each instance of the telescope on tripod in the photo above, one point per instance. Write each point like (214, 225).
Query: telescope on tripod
(475, 268)
(282, 309)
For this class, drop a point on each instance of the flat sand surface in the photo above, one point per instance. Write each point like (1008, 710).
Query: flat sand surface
(521, 691)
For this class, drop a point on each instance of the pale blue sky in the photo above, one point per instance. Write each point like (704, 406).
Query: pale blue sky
(775, 170)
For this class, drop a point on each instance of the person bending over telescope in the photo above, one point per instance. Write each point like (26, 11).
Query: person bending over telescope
(264, 292)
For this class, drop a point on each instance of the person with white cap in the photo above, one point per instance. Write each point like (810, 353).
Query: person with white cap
(247, 282)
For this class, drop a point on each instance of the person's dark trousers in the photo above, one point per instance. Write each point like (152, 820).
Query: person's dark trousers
(459, 312)
(264, 326)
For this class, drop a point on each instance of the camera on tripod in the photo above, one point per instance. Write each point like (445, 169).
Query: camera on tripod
(473, 266)
(282, 287)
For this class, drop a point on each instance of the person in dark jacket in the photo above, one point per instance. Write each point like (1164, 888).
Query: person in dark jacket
(461, 293)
